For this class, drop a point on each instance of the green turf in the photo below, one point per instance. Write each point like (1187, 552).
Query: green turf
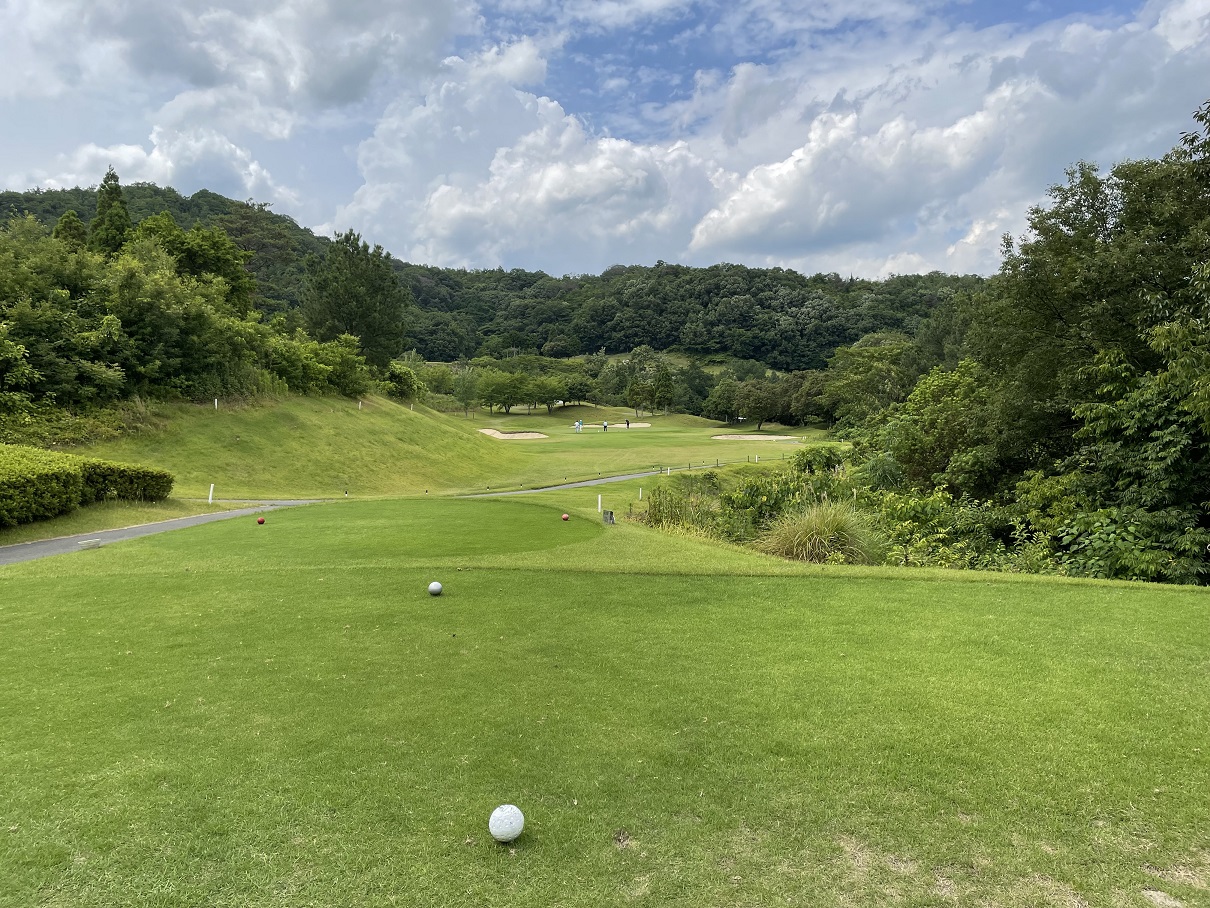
(281, 716)
(320, 448)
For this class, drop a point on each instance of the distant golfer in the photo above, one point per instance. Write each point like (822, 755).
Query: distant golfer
(628, 424)
(604, 426)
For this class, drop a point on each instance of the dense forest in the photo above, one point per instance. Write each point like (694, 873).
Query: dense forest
(1051, 417)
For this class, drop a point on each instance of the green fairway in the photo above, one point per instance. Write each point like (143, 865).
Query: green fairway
(323, 447)
(280, 715)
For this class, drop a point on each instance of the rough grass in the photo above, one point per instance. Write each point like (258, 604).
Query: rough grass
(279, 715)
(826, 531)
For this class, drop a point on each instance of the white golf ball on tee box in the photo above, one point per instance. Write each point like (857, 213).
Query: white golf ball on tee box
(434, 588)
(506, 823)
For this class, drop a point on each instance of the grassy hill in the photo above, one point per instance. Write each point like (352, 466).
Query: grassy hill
(280, 715)
(321, 447)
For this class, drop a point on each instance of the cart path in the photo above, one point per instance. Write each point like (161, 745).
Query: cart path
(44, 548)
(568, 485)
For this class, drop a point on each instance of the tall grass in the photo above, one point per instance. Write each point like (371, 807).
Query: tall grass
(826, 532)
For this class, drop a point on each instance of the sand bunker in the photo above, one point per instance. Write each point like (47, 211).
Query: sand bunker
(511, 435)
(755, 437)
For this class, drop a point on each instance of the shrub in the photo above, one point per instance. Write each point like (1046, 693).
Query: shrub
(824, 532)
(105, 481)
(35, 484)
(817, 459)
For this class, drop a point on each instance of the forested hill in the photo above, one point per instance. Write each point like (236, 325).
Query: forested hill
(771, 315)
(278, 245)
(783, 319)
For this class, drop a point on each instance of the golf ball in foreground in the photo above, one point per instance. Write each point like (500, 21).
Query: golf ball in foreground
(506, 823)
(260, 519)
(434, 588)
(565, 517)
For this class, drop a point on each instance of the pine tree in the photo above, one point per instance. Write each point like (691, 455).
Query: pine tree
(110, 227)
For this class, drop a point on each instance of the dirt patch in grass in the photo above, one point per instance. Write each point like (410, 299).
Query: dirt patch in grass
(512, 435)
(1195, 874)
(1163, 899)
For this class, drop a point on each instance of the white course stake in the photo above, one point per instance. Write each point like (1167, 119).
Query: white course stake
(216, 403)
(211, 499)
(598, 504)
(640, 493)
(358, 405)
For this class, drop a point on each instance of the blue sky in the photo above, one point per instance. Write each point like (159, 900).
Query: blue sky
(873, 138)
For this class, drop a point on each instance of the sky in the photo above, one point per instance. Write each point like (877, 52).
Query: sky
(866, 138)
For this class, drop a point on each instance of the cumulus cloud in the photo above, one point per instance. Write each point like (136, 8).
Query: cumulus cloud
(484, 172)
(885, 136)
(196, 157)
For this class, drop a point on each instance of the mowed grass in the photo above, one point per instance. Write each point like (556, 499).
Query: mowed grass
(323, 447)
(281, 716)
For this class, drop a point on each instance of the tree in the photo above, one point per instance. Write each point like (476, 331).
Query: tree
(353, 290)
(71, 231)
(466, 387)
(404, 383)
(110, 227)
(721, 402)
(548, 391)
(15, 374)
(759, 399)
(941, 434)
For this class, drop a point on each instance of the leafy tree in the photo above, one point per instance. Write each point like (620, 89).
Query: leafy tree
(579, 387)
(16, 374)
(865, 379)
(353, 290)
(110, 227)
(465, 387)
(941, 434)
(404, 383)
(547, 391)
(759, 399)
(71, 231)
(722, 402)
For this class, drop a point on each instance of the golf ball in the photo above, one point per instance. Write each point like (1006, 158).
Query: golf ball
(434, 588)
(565, 517)
(260, 519)
(506, 822)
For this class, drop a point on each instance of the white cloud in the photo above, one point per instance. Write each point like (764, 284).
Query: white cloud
(824, 136)
(483, 172)
(199, 157)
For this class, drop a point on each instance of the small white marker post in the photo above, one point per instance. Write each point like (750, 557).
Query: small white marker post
(211, 498)
(598, 504)
(358, 405)
(758, 458)
(640, 493)
(216, 403)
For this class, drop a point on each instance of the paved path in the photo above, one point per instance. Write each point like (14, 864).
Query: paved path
(569, 485)
(28, 551)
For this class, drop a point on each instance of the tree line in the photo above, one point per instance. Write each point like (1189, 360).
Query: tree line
(1056, 418)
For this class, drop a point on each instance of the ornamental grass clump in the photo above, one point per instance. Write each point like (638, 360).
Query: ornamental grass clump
(826, 532)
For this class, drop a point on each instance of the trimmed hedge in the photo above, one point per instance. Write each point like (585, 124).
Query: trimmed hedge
(37, 484)
(104, 481)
